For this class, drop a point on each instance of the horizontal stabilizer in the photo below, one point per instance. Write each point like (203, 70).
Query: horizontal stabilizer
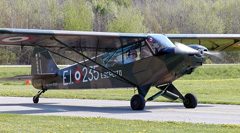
(44, 75)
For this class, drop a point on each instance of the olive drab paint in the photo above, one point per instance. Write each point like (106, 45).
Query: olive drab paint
(121, 60)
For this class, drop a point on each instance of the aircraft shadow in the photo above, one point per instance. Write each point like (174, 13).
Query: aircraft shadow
(172, 106)
(42, 108)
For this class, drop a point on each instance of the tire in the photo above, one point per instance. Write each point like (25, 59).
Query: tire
(137, 102)
(35, 99)
(190, 101)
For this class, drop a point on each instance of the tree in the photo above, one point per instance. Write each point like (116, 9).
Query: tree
(160, 16)
(127, 20)
(77, 15)
(201, 17)
(186, 16)
(229, 13)
(103, 11)
(7, 57)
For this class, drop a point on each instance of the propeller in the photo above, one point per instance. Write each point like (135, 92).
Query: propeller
(194, 49)
(213, 54)
(197, 49)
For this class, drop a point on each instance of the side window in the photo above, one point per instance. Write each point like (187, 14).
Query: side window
(131, 56)
(134, 53)
(128, 54)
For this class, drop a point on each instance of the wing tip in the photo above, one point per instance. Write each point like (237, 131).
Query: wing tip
(5, 30)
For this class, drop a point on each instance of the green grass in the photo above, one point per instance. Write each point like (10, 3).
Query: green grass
(210, 83)
(208, 91)
(220, 91)
(14, 71)
(206, 72)
(60, 124)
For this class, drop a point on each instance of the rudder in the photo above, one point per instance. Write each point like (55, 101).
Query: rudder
(42, 62)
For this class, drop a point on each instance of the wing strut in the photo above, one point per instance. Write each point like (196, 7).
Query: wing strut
(81, 54)
(96, 52)
(122, 51)
(235, 41)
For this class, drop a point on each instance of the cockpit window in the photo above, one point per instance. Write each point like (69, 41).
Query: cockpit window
(163, 40)
(127, 54)
(158, 42)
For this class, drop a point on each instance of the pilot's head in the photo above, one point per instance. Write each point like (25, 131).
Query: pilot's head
(133, 53)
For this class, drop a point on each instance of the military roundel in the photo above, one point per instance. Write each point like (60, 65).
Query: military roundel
(77, 75)
(15, 39)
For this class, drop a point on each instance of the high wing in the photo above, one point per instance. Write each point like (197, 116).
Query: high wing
(214, 42)
(108, 41)
(86, 41)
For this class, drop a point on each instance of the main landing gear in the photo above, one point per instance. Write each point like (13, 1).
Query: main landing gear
(137, 102)
(190, 101)
(36, 97)
(168, 91)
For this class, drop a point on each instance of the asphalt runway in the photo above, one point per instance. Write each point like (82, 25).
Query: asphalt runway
(154, 111)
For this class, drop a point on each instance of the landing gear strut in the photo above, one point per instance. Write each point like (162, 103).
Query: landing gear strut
(36, 97)
(168, 91)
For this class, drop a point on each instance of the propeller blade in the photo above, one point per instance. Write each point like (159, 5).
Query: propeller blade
(215, 57)
(213, 54)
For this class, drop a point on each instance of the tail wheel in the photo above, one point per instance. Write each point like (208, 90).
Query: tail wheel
(137, 102)
(190, 101)
(35, 99)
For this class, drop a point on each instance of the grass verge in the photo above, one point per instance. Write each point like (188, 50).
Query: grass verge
(208, 91)
(60, 124)
(6, 72)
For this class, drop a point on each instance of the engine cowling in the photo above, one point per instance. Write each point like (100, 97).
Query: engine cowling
(198, 47)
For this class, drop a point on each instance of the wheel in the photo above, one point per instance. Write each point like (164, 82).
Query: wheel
(35, 99)
(190, 101)
(137, 102)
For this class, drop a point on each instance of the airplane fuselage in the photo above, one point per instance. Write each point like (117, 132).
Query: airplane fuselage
(154, 70)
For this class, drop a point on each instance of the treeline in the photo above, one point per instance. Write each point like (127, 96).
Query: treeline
(147, 16)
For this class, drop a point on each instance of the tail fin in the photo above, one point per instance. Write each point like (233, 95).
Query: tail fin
(42, 62)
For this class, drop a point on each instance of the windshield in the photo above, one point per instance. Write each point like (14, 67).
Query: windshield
(158, 42)
(162, 40)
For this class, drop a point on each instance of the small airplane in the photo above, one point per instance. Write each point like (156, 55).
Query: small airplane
(120, 60)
